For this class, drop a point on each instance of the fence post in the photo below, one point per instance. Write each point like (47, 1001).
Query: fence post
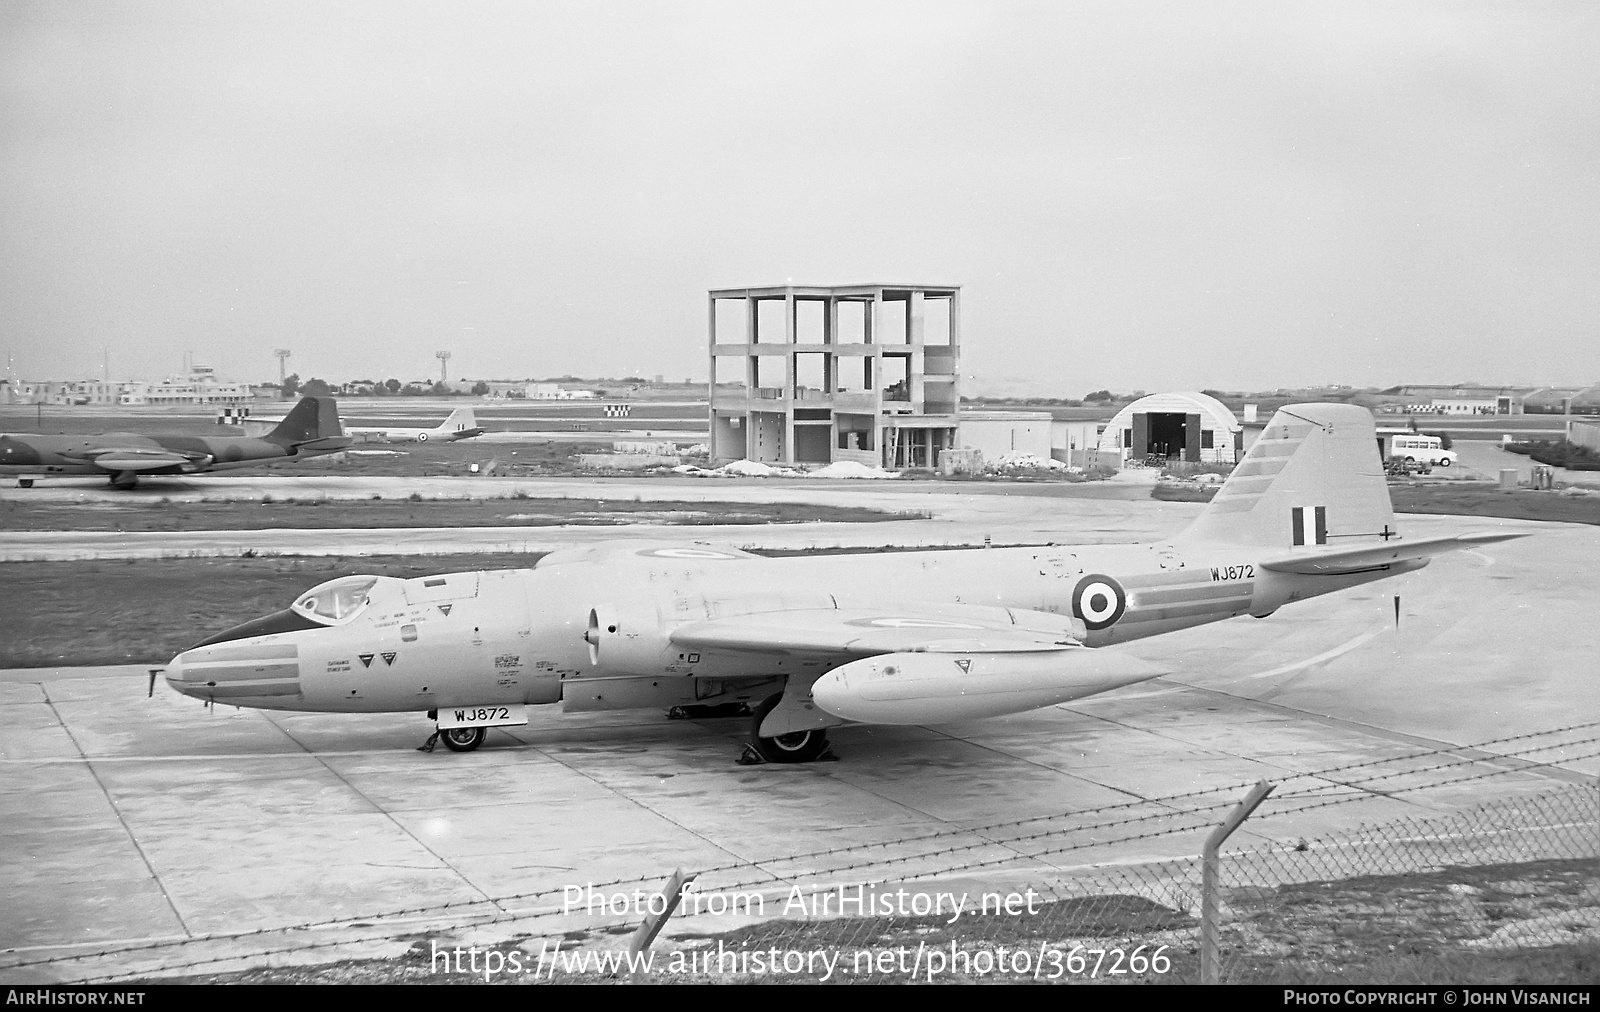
(1210, 956)
(652, 924)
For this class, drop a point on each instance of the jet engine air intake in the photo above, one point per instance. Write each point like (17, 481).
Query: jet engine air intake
(602, 624)
(627, 639)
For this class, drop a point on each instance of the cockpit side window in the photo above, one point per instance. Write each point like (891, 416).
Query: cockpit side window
(336, 601)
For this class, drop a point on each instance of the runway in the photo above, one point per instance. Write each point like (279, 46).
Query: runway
(126, 820)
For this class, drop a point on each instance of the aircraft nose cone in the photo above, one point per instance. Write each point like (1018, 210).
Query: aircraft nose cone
(179, 676)
(243, 673)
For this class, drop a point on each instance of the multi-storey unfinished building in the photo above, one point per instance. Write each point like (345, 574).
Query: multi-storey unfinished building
(811, 374)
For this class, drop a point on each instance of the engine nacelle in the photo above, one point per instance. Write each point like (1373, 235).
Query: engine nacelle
(627, 640)
(934, 688)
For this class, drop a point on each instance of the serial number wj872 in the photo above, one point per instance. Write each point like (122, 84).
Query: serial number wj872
(1244, 572)
(482, 714)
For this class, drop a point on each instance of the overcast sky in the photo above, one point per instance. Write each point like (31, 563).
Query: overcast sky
(1131, 195)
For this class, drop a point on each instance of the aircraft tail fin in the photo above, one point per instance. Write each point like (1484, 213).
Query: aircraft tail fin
(1314, 477)
(312, 419)
(460, 418)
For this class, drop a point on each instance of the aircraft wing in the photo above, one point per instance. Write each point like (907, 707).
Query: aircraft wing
(1338, 561)
(842, 633)
(144, 459)
(923, 664)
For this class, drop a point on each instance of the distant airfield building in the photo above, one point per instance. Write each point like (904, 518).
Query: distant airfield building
(60, 392)
(1461, 399)
(1187, 426)
(554, 392)
(201, 386)
(1473, 399)
(1563, 400)
(998, 434)
(809, 374)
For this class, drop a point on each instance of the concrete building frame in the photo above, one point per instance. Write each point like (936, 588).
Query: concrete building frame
(845, 407)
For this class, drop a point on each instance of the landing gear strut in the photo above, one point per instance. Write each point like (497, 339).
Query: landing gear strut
(798, 747)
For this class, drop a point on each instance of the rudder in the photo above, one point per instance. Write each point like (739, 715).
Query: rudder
(313, 418)
(1313, 477)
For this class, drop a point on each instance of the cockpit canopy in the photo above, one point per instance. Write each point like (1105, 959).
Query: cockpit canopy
(337, 601)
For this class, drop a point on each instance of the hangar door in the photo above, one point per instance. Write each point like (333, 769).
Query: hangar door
(1166, 434)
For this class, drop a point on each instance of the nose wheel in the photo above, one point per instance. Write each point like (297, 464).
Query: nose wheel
(463, 739)
(456, 739)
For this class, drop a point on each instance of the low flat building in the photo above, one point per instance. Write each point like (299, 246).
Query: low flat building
(1460, 399)
(201, 386)
(554, 392)
(997, 433)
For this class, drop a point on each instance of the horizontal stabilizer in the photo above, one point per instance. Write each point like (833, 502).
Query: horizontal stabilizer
(910, 688)
(327, 444)
(860, 633)
(1338, 561)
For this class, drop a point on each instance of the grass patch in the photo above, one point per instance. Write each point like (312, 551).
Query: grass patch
(1482, 501)
(138, 516)
(145, 611)
(1184, 492)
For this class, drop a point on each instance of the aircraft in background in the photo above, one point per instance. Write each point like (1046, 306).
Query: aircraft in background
(460, 425)
(816, 642)
(311, 429)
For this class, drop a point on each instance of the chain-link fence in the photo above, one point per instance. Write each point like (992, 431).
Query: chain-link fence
(1505, 885)
(1463, 893)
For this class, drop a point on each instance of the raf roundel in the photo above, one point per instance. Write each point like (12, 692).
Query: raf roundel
(1099, 601)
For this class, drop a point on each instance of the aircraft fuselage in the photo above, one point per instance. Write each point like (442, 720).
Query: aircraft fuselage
(519, 636)
(40, 455)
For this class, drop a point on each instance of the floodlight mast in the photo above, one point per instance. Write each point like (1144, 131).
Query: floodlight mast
(444, 358)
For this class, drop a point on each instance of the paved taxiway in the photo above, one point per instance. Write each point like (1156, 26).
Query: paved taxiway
(124, 818)
(1487, 459)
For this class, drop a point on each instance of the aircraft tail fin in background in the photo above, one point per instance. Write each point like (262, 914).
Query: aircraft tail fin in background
(312, 419)
(460, 418)
(1314, 477)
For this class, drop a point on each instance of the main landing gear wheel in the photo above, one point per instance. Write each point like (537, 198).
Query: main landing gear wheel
(799, 747)
(462, 739)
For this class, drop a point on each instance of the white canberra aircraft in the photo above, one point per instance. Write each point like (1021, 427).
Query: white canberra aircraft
(460, 425)
(815, 642)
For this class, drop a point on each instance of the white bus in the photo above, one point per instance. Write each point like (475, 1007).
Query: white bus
(1417, 448)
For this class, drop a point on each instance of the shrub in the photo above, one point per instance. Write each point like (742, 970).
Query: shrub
(1561, 453)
